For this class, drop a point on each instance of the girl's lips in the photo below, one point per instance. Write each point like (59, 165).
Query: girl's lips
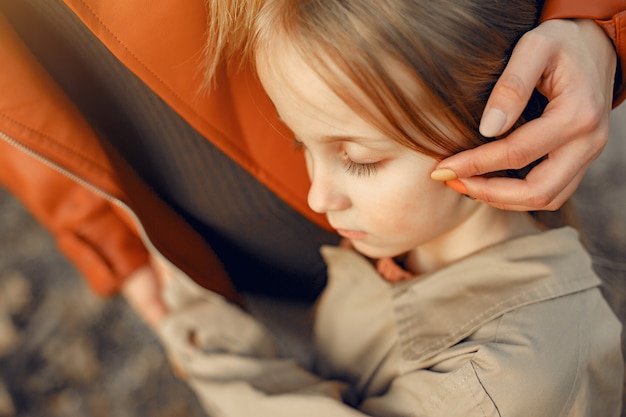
(351, 234)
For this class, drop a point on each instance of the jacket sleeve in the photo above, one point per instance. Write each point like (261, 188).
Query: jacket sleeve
(228, 358)
(89, 229)
(611, 16)
(511, 365)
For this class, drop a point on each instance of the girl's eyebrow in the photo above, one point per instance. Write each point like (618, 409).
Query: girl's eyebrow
(297, 144)
(372, 142)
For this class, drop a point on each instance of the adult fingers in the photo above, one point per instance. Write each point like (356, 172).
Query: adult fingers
(569, 148)
(531, 193)
(516, 84)
(577, 79)
(523, 146)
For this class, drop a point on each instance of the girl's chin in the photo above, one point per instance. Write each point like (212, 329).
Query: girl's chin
(374, 252)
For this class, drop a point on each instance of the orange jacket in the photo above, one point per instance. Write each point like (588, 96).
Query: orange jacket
(104, 218)
(610, 15)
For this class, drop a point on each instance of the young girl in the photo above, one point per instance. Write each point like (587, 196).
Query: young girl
(492, 313)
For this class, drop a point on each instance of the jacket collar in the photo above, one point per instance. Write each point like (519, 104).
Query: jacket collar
(446, 306)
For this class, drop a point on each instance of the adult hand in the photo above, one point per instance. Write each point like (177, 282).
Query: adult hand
(572, 63)
(142, 290)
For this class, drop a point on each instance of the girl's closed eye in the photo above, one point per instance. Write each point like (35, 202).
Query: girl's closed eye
(361, 169)
(358, 169)
(360, 161)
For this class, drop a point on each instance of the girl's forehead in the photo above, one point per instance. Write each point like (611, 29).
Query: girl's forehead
(298, 90)
(294, 86)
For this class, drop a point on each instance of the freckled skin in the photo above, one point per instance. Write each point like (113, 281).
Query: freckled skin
(375, 191)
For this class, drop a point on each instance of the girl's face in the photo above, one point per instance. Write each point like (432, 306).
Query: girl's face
(374, 191)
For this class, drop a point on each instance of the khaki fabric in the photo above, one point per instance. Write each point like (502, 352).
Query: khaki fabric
(519, 329)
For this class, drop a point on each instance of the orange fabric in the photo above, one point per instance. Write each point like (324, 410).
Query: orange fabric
(86, 230)
(611, 16)
(162, 44)
(55, 200)
(594, 9)
(91, 230)
(237, 116)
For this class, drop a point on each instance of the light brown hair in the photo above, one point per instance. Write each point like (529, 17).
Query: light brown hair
(452, 50)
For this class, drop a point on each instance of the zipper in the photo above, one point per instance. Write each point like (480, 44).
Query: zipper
(108, 197)
(66, 173)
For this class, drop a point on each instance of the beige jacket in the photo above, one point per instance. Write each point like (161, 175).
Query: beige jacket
(519, 329)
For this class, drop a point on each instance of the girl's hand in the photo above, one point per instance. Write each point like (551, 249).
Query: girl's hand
(572, 63)
(142, 290)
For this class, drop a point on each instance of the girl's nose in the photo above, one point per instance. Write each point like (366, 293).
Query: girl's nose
(325, 195)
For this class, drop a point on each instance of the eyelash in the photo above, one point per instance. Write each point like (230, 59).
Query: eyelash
(361, 170)
(352, 168)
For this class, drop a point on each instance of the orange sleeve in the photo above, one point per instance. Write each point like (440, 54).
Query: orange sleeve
(611, 16)
(88, 228)
(52, 160)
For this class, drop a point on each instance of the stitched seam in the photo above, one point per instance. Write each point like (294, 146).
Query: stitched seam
(119, 41)
(488, 313)
(440, 399)
(571, 398)
(484, 412)
(240, 150)
(63, 148)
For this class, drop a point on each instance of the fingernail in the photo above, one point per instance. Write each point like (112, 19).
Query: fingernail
(492, 122)
(443, 174)
(457, 186)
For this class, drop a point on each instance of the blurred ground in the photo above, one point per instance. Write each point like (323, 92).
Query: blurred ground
(66, 353)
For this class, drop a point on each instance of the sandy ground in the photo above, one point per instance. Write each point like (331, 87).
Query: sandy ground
(66, 353)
